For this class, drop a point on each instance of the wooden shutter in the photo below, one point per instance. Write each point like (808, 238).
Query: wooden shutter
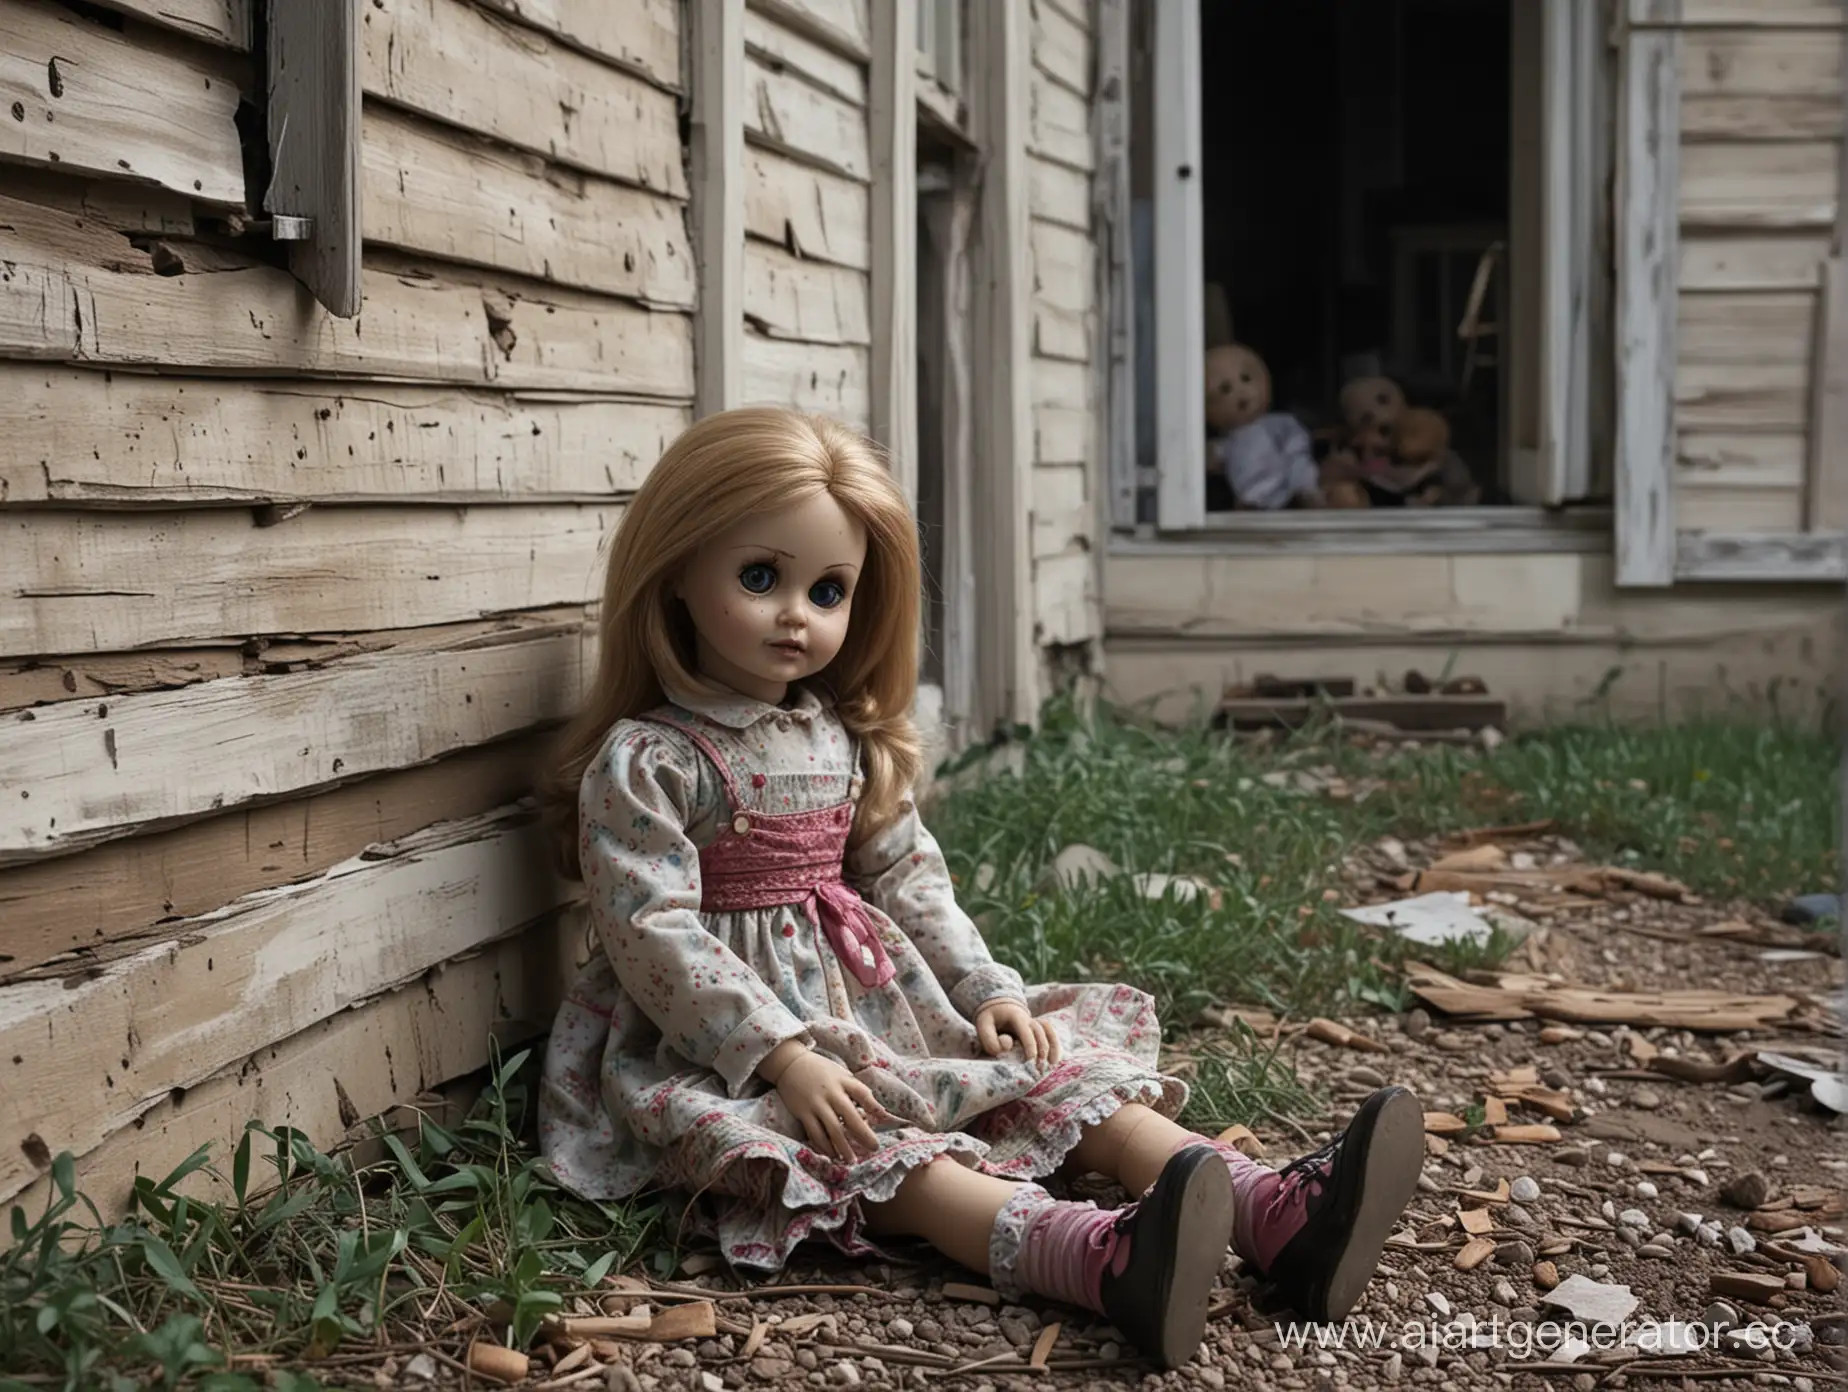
(313, 196)
(1732, 294)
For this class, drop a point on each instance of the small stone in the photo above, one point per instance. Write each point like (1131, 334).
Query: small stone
(1363, 1076)
(1584, 1382)
(844, 1374)
(1740, 1241)
(1746, 1190)
(1616, 1159)
(1651, 1249)
(1417, 1022)
(806, 1358)
(1393, 1367)
(1109, 1351)
(1687, 1223)
(1571, 1155)
(900, 1328)
(772, 1369)
(1598, 1037)
(1633, 1218)
(1281, 1363)
(1646, 1098)
(1524, 1190)
(1426, 1354)
(680, 1358)
(1630, 1237)
(1557, 1078)
(1015, 1331)
(1504, 1293)
(1720, 1315)
(421, 1368)
(1546, 1275)
(1600, 1269)
(1609, 1210)
(711, 1382)
(1711, 1233)
(1696, 1176)
(1516, 1253)
(1210, 1376)
(1646, 1190)
(1597, 1085)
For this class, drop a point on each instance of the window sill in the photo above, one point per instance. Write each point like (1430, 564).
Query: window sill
(1424, 532)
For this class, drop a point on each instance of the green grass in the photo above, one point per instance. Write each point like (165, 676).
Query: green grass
(454, 1230)
(309, 1255)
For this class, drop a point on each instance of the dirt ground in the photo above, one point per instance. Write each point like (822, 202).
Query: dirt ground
(1608, 1202)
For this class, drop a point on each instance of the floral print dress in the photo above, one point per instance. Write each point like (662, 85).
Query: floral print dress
(650, 1077)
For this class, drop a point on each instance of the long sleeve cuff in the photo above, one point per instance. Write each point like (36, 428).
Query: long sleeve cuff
(746, 1046)
(988, 982)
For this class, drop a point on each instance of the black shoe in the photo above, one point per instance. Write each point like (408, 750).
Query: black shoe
(1156, 1292)
(1349, 1193)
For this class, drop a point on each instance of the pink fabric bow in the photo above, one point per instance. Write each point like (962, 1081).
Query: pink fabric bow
(840, 913)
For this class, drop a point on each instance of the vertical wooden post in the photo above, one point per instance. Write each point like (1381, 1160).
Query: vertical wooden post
(717, 86)
(1116, 288)
(314, 144)
(1648, 272)
(1180, 314)
(894, 117)
(1825, 491)
(1008, 670)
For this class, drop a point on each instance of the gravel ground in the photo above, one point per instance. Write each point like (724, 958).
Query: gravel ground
(1619, 1200)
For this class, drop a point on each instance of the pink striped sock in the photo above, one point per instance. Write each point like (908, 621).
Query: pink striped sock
(1056, 1250)
(1248, 1179)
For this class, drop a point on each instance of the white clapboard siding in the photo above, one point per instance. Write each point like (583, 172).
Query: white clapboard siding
(362, 1062)
(1742, 184)
(74, 582)
(442, 192)
(81, 1061)
(786, 297)
(834, 380)
(784, 113)
(1745, 329)
(1738, 511)
(89, 100)
(1720, 461)
(1733, 396)
(1065, 597)
(843, 25)
(1753, 261)
(1765, 62)
(1799, 14)
(459, 64)
(810, 212)
(70, 912)
(1760, 118)
(776, 45)
(1062, 434)
(1064, 267)
(1060, 123)
(640, 35)
(75, 293)
(76, 435)
(223, 22)
(1062, 48)
(87, 772)
(1061, 333)
(1058, 194)
(1062, 515)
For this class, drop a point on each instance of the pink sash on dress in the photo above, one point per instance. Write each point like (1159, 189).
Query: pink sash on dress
(766, 860)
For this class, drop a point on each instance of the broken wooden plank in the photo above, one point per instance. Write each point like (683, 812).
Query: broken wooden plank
(808, 212)
(783, 113)
(113, 900)
(76, 435)
(1409, 713)
(640, 36)
(843, 25)
(75, 293)
(1059, 124)
(82, 1062)
(446, 193)
(86, 99)
(462, 65)
(376, 1055)
(779, 46)
(222, 22)
(833, 379)
(88, 772)
(1707, 1011)
(793, 298)
(75, 582)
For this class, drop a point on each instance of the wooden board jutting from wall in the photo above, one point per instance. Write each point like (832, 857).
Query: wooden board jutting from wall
(313, 128)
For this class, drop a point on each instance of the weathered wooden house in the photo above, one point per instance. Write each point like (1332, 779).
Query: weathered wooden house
(334, 333)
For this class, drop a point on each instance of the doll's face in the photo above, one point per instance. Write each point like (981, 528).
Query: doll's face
(770, 598)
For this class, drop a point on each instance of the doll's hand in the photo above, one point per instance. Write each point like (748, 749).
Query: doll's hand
(832, 1105)
(1000, 1023)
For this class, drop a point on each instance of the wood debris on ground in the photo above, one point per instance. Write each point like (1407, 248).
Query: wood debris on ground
(1525, 995)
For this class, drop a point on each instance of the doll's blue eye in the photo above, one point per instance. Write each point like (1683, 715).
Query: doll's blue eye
(758, 577)
(827, 594)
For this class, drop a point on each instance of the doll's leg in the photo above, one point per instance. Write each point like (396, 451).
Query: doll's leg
(1148, 1268)
(1317, 1226)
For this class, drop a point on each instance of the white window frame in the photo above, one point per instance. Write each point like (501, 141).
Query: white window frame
(1557, 469)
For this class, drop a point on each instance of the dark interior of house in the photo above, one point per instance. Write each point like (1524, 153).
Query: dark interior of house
(1356, 172)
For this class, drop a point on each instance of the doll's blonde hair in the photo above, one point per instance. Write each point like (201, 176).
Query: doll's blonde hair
(725, 468)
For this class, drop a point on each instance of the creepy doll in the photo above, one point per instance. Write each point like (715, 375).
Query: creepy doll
(790, 1016)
